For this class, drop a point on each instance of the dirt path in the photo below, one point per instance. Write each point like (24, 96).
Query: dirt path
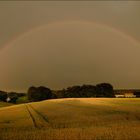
(39, 120)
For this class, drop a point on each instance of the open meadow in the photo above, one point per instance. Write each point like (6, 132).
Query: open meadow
(72, 118)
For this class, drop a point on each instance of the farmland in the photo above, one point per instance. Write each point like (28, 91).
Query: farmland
(4, 104)
(72, 118)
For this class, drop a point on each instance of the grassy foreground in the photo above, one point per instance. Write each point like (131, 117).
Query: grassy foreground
(69, 119)
(4, 104)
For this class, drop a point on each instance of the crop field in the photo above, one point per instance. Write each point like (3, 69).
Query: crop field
(72, 119)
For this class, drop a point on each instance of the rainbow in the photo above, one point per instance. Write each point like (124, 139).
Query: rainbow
(88, 23)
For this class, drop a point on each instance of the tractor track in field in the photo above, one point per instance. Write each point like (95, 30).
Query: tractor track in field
(32, 117)
(40, 114)
(39, 120)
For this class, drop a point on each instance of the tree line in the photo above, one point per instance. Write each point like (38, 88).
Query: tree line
(11, 96)
(43, 93)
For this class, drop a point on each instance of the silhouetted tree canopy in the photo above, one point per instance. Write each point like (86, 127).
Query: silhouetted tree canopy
(100, 90)
(104, 90)
(3, 96)
(13, 96)
(77, 92)
(39, 93)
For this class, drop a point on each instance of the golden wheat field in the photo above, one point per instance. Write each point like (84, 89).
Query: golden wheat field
(72, 119)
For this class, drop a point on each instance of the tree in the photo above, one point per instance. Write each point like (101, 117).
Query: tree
(72, 92)
(105, 90)
(61, 93)
(54, 95)
(31, 93)
(77, 92)
(39, 93)
(88, 91)
(13, 96)
(3, 96)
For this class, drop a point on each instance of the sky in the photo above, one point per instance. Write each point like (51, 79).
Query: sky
(63, 43)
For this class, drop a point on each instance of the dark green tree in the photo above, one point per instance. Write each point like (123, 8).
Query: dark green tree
(39, 93)
(104, 90)
(88, 91)
(3, 96)
(13, 96)
(77, 92)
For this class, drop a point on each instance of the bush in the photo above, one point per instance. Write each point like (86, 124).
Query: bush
(23, 99)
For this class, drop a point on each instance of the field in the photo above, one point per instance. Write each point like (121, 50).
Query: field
(69, 119)
(3, 104)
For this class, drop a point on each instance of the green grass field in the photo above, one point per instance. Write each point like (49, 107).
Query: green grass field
(4, 104)
(69, 119)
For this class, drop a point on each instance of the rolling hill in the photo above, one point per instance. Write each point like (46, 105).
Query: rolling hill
(72, 118)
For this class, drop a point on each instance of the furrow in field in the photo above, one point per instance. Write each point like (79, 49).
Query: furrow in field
(40, 114)
(38, 119)
(32, 117)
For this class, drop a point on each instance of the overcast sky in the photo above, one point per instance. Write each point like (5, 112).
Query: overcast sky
(59, 44)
